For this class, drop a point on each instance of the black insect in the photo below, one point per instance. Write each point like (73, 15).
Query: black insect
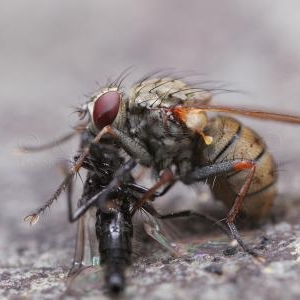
(108, 198)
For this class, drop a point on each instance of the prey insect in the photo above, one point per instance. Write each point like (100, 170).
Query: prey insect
(105, 213)
(163, 123)
(108, 198)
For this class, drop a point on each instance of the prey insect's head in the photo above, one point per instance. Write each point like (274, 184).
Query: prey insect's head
(105, 108)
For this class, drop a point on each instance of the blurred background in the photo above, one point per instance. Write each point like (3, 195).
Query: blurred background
(54, 53)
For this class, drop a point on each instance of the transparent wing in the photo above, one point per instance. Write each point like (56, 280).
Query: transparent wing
(252, 113)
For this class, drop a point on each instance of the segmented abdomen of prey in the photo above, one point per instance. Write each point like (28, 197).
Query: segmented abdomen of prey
(164, 93)
(232, 140)
(114, 232)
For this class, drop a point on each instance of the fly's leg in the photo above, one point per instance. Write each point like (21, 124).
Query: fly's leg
(86, 139)
(203, 173)
(235, 210)
(131, 146)
(222, 168)
(167, 177)
(143, 190)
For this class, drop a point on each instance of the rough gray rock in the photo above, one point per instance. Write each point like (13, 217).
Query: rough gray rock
(51, 55)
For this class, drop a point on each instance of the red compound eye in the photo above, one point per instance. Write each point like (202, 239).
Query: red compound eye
(106, 108)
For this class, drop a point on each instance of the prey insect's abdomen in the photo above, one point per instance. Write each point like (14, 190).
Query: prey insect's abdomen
(232, 140)
(114, 232)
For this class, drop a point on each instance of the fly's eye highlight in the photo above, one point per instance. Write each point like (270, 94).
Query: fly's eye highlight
(106, 108)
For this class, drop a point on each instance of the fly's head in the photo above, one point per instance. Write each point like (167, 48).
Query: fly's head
(106, 108)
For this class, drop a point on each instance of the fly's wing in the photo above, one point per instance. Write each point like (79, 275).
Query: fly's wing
(92, 242)
(86, 249)
(85, 273)
(193, 115)
(252, 113)
(153, 230)
(88, 279)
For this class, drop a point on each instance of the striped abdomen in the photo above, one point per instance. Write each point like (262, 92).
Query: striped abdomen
(231, 140)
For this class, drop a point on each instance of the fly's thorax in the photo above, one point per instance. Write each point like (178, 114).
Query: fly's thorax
(151, 124)
(165, 138)
(168, 106)
(165, 92)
